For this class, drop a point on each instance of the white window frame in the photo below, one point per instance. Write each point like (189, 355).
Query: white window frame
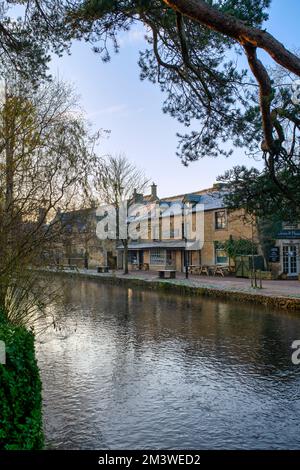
(158, 256)
(215, 219)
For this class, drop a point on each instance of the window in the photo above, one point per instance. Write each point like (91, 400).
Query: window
(220, 220)
(149, 226)
(189, 257)
(132, 257)
(158, 256)
(290, 259)
(172, 232)
(194, 221)
(220, 253)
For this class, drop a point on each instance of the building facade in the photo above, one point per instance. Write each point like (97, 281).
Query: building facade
(163, 243)
(173, 250)
(77, 242)
(285, 255)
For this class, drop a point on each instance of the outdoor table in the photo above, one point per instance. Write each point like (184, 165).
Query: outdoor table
(194, 268)
(222, 270)
(204, 270)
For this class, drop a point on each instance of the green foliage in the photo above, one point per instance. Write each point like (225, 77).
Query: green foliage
(253, 12)
(27, 40)
(268, 229)
(239, 247)
(20, 392)
(254, 191)
(194, 67)
(203, 82)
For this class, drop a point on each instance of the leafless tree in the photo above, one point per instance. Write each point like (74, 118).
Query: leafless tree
(116, 181)
(46, 156)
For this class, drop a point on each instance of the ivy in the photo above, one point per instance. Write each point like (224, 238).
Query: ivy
(239, 247)
(20, 392)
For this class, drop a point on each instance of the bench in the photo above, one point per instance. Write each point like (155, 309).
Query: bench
(164, 273)
(72, 267)
(63, 267)
(102, 269)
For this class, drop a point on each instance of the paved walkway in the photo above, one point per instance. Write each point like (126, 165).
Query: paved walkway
(285, 289)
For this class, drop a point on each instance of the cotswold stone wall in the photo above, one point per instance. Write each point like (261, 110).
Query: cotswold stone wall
(236, 226)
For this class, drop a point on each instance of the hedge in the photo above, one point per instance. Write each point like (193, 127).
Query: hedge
(20, 392)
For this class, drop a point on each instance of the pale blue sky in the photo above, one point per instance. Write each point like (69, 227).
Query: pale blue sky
(114, 98)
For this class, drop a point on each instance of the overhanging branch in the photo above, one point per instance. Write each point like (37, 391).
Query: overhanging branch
(234, 28)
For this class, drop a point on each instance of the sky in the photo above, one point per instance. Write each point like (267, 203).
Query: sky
(114, 98)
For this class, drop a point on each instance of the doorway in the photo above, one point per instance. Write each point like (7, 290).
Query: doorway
(290, 265)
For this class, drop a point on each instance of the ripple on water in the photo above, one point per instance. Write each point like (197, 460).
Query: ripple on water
(148, 370)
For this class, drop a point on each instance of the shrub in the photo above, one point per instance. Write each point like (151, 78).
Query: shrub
(20, 391)
(239, 247)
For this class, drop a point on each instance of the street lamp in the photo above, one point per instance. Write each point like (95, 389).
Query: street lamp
(186, 265)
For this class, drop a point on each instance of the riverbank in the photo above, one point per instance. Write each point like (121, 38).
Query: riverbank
(276, 294)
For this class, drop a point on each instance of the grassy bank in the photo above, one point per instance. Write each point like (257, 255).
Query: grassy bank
(20, 391)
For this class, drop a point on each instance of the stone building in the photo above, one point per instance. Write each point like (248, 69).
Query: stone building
(77, 242)
(284, 256)
(155, 247)
(174, 250)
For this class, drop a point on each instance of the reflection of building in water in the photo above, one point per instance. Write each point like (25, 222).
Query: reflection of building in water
(231, 334)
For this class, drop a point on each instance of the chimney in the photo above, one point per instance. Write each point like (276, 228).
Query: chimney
(137, 197)
(154, 191)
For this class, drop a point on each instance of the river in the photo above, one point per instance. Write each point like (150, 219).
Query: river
(147, 370)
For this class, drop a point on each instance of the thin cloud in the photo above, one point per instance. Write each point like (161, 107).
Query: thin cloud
(133, 36)
(119, 109)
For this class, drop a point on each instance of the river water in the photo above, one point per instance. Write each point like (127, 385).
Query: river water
(140, 369)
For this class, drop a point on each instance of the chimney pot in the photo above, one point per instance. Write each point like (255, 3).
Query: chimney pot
(154, 191)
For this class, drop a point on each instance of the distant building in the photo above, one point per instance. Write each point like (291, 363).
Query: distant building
(77, 242)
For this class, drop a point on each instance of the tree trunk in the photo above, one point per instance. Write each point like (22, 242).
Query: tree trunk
(9, 131)
(208, 15)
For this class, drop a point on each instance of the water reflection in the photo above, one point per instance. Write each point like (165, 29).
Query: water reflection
(149, 370)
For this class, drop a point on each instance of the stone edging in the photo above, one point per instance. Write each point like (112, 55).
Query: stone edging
(287, 303)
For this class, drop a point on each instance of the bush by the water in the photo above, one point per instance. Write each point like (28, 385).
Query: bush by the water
(20, 391)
